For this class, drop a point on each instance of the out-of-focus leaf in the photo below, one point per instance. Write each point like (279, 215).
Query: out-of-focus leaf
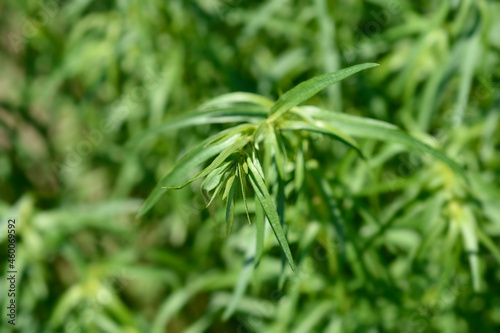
(244, 278)
(230, 114)
(237, 97)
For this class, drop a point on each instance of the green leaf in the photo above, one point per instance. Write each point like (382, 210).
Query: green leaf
(278, 151)
(230, 132)
(309, 88)
(214, 178)
(267, 204)
(261, 229)
(256, 163)
(488, 243)
(299, 175)
(313, 316)
(239, 143)
(229, 114)
(467, 223)
(66, 302)
(238, 97)
(179, 298)
(230, 208)
(323, 128)
(374, 129)
(217, 190)
(325, 191)
(229, 185)
(198, 155)
(242, 176)
(244, 278)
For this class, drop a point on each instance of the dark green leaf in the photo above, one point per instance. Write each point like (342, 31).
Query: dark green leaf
(267, 204)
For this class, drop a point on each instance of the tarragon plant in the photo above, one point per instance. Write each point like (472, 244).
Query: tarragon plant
(266, 149)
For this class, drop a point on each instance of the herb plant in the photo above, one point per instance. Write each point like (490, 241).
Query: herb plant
(268, 149)
(344, 211)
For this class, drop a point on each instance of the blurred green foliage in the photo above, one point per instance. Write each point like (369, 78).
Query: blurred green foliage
(394, 244)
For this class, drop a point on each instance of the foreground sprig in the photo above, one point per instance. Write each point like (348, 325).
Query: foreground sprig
(265, 132)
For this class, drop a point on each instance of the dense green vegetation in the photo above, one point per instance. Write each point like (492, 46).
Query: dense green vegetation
(320, 192)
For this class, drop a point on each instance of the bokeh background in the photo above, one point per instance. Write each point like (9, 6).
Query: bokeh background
(419, 250)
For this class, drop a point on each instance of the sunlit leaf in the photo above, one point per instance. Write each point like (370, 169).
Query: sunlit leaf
(307, 89)
(192, 159)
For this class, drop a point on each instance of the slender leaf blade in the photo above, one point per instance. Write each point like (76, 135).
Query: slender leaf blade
(323, 128)
(374, 129)
(238, 97)
(239, 143)
(242, 176)
(198, 155)
(221, 115)
(279, 157)
(270, 209)
(305, 90)
(230, 209)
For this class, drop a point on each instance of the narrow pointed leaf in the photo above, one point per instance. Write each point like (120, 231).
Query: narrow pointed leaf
(239, 143)
(309, 88)
(323, 128)
(216, 192)
(261, 229)
(379, 130)
(238, 97)
(270, 209)
(230, 209)
(467, 223)
(191, 160)
(214, 178)
(278, 153)
(229, 186)
(242, 176)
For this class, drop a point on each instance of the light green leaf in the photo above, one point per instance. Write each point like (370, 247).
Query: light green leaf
(217, 190)
(239, 143)
(242, 176)
(230, 114)
(299, 175)
(213, 179)
(261, 229)
(238, 97)
(467, 223)
(198, 155)
(229, 185)
(323, 128)
(230, 208)
(305, 90)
